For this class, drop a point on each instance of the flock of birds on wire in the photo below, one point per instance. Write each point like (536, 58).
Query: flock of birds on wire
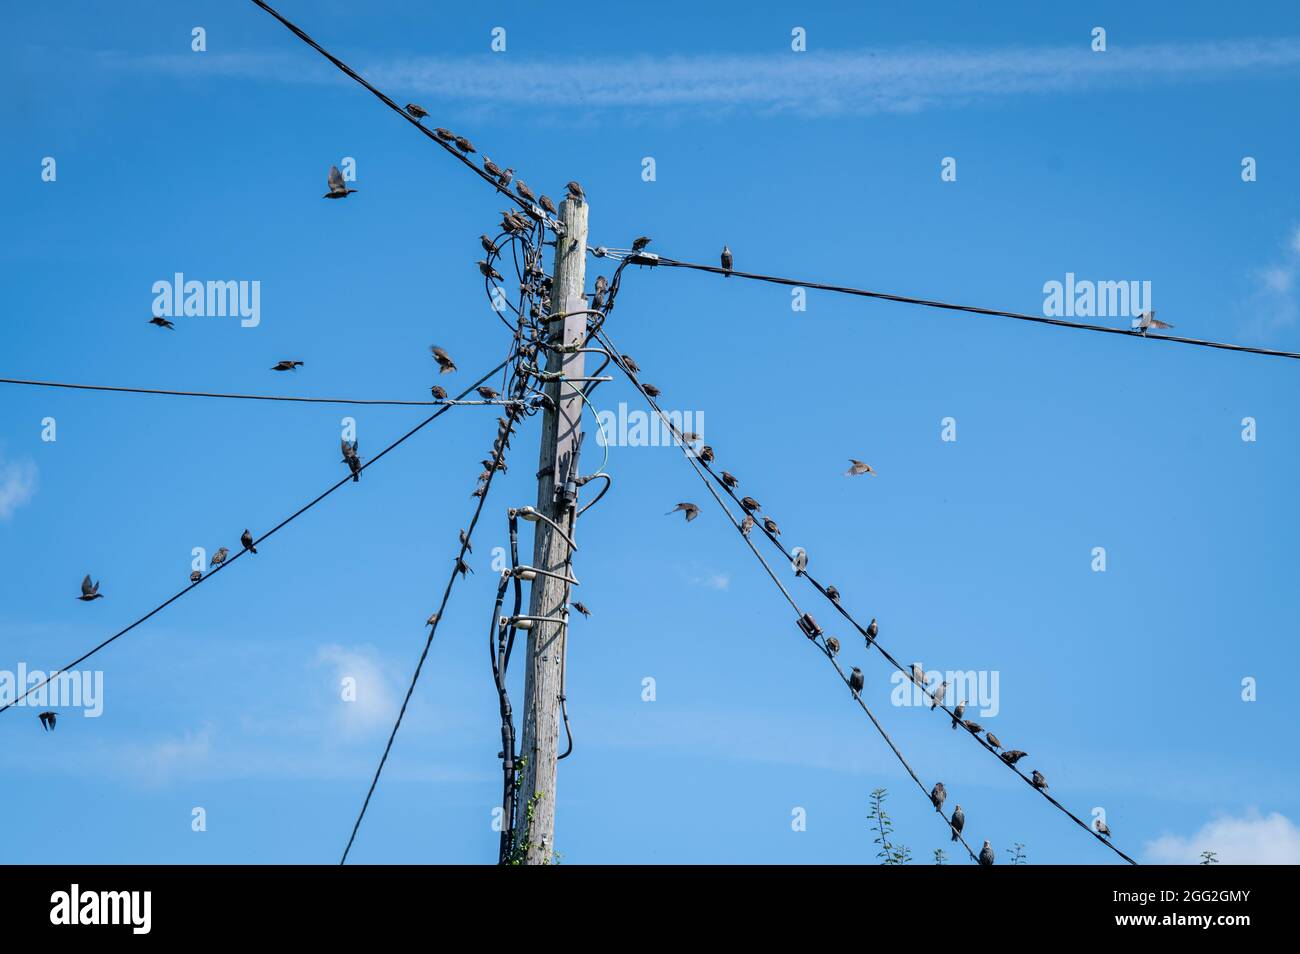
(515, 224)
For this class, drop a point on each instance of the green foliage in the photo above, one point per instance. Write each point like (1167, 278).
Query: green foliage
(889, 853)
(1017, 853)
(940, 856)
(1209, 858)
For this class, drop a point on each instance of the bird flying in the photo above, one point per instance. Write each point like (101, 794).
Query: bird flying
(287, 366)
(338, 189)
(690, 509)
(162, 322)
(445, 364)
(48, 719)
(90, 593)
(857, 468)
(580, 608)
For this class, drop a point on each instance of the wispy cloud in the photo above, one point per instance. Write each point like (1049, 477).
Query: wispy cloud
(1273, 304)
(17, 484)
(365, 693)
(1254, 839)
(813, 83)
(709, 579)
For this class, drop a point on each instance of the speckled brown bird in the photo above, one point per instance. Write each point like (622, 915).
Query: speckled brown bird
(630, 364)
(958, 713)
(640, 242)
(440, 393)
(832, 645)
(416, 111)
(1039, 780)
(973, 727)
(993, 740)
(488, 245)
(464, 541)
(287, 366)
(873, 628)
(750, 504)
(857, 468)
(219, 557)
(487, 393)
(726, 257)
(938, 794)
(489, 272)
(580, 608)
(651, 390)
(464, 145)
(462, 567)
(196, 575)
(338, 189)
(524, 192)
(246, 541)
(545, 202)
(598, 299)
(446, 135)
(1012, 756)
(575, 190)
(1102, 828)
(706, 454)
(445, 364)
(770, 526)
(746, 525)
(690, 509)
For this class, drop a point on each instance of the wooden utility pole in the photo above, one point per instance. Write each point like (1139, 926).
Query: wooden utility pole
(561, 432)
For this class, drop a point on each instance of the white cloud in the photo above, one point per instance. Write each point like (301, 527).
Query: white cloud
(160, 762)
(375, 698)
(1254, 839)
(17, 485)
(711, 580)
(826, 83)
(1273, 304)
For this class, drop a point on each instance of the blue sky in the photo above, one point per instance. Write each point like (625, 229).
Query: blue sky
(1125, 686)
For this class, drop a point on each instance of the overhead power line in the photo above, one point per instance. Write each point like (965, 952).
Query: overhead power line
(349, 71)
(702, 468)
(279, 526)
(819, 641)
(643, 258)
(243, 397)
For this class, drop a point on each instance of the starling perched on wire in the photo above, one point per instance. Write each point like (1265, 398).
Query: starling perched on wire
(462, 567)
(938, 794)
(726, 257)
(352, 459)
(1012, 756)
(349, 449)
(196, 575)
(478, 491)
(162, 322)
(746, 525)
(219, 557)
(490, 272)
(630, 364)
(973, 727)
(446, 135)
(90, 593)
(958, 713)
(338, 189)
(641, 242)
(800, 561)
(598, 299)
(488, 245)
(918, 674)
(487, 393)
(986, 854)
(417, 112)
(432, 620)
(1102, 828)
(651, 390)
(575, 190)
(246, 541)
(438, 392)
(445, 364)
(729, 480)
(1039, 780)
(856, 681)
(937, 699)
(858, 468)
(873, 628)
(706, 453)
(506, 178)
(958, 821)
(48, 719)
(770, 526)
(513, 223)
(545, 202)
(464, 145)
(580, 608)
(832, 645)
(993, 740)
(834, 595)
(524, 192)
(1147, 320)
(690, 509)
(464, 541)
(690, 437)
(287, 366)
(750, 504)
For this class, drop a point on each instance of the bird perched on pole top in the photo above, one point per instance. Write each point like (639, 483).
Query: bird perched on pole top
(90, 593)
(162, 322)
(690, 509)
(856, 681)
(1147, 320)
(416, 111)
(938, 794)
(726, 257)
(858, 468)
(338, 189)
(986, 854)
(287, 366)
(575, 191)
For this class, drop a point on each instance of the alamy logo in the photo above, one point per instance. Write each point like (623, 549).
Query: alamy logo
(637, 428)
(212, 299)
(73, 689)
(103, 907)
(1083, 298)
